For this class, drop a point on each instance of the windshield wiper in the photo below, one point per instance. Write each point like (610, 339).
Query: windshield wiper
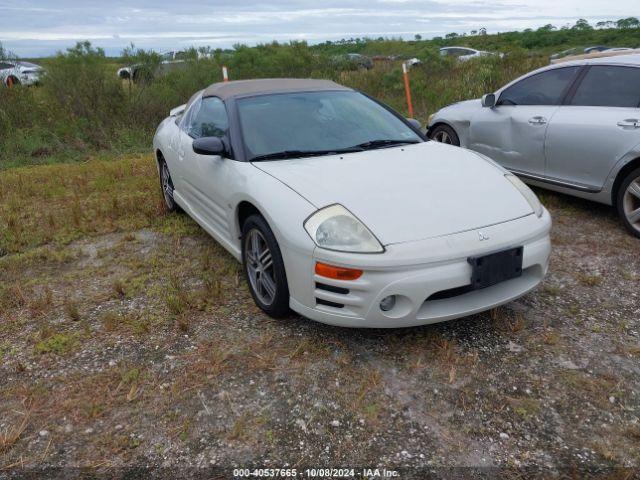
(373, 144)
(304, 153)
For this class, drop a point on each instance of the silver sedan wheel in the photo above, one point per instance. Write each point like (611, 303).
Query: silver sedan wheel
(443, 137)
(631, 203)
(167, 185)
(260, 267)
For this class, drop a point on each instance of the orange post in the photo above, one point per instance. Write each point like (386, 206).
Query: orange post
(10, 81)
(225, 74)
(407, 88)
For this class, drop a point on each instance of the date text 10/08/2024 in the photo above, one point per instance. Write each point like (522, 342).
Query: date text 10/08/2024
(315, 473)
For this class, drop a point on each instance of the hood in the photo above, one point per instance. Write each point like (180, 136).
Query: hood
(465, 105)
(407, 193)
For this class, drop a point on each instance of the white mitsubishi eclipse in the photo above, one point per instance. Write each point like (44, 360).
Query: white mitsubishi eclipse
(339, 209)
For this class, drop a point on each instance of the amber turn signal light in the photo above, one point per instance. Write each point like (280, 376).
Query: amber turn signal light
(337, 273)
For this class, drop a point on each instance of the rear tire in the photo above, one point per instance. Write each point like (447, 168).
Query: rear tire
(628, 202)
(142, 75)
(264, 268)
(444, 134)
(166, 186)
(12, 81)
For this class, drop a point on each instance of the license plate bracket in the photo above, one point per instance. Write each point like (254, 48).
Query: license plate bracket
(488, 270)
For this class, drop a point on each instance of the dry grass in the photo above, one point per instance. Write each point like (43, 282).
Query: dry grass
(131, 327)
(72, 310)
(11, 435)
(589, 279)
(59, 203)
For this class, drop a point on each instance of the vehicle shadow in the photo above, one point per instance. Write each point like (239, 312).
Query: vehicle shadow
(486, 330)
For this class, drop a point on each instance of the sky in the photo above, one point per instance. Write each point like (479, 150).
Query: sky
(33, 28)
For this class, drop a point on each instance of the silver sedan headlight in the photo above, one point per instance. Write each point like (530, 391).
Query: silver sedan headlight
(336, 228)
(526, 192)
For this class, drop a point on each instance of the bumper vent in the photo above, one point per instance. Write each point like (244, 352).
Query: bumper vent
(331, 288)
(320, 301)
(450, 293)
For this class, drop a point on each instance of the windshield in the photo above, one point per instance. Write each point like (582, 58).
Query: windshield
(324, 121)
(29, 65)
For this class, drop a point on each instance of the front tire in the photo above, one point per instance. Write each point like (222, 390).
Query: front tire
(264, 267)
(628, 202)
(12, 81)
(445, 134)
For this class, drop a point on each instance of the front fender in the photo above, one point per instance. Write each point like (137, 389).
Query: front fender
(285, 211)
(457, 116)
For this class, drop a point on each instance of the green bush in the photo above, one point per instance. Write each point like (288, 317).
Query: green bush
(83, 108)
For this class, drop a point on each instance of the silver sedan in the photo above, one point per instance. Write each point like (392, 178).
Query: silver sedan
(572, 127)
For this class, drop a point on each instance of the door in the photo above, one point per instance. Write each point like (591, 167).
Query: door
(205, 178)
(513, 132)
(599, 124)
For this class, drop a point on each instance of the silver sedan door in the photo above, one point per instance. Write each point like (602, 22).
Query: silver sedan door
(599, 124)
(513, 132)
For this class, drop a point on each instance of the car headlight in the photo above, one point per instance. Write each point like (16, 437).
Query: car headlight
(526, 192)
(430, 119)
(336, 228)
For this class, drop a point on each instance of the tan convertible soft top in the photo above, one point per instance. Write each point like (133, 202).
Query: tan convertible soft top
(226, 90)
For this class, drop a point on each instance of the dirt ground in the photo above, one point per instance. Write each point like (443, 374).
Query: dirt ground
(138, 345)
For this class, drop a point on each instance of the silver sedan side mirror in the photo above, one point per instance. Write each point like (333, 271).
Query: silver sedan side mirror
(414, 123)
(489, 100)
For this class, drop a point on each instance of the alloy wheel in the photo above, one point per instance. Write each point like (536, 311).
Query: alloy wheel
(631, 203)
(442, 137)
(167, 185)
(259, 264)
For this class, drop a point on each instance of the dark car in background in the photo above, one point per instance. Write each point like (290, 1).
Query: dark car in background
(354, 61)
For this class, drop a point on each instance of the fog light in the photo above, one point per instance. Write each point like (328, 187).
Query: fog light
(387, 303)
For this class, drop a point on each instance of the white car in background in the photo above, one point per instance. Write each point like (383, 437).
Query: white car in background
(464, 53)
(572, 127)
(341, 210)
(19, 73)
(168, 61)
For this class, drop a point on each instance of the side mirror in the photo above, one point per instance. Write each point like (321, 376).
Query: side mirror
(174, 112)
(209, 146)
(414, 123)
(489, 100)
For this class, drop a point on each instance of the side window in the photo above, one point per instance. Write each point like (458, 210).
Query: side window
(461, 52)
(185, 118)
(606, 86)
(207, 118)
(544, 88)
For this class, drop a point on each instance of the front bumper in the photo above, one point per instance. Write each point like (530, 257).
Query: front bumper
(414, 271)
(30, 80)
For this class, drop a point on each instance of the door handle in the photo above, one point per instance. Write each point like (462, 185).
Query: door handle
(537, 120)
(629, 123)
